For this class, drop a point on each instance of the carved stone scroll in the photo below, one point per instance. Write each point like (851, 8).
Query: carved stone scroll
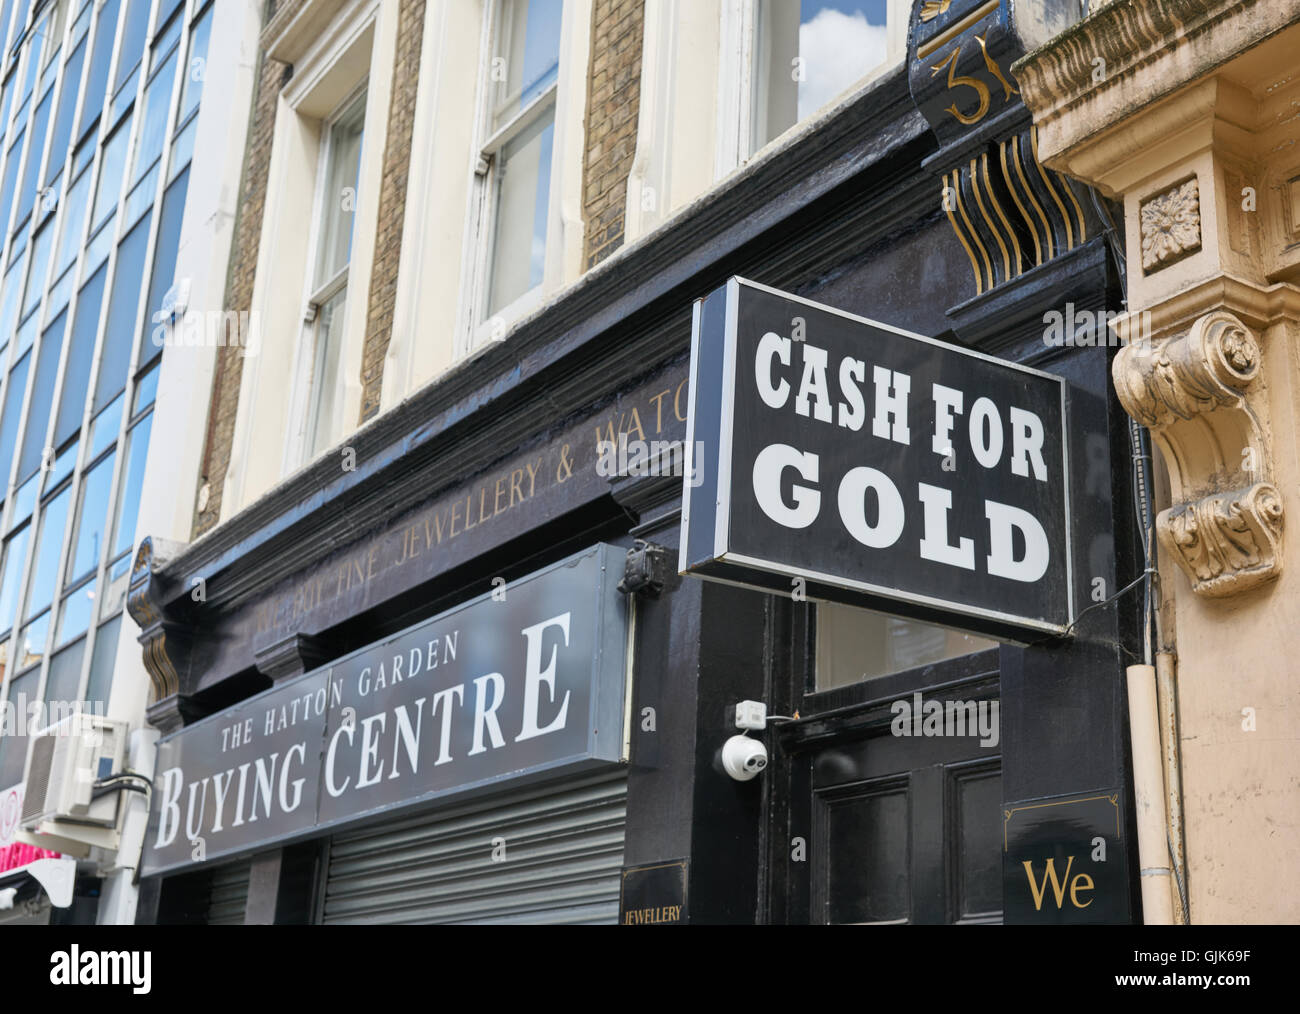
(1227, 542)
(1225, 526)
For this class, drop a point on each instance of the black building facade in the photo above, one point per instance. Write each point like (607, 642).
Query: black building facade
(920, 204)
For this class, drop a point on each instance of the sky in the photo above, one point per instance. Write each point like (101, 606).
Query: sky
(839, 40)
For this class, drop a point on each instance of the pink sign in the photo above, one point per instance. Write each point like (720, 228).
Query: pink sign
(13, 853)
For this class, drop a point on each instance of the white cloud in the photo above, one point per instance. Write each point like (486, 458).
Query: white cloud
(838, 50)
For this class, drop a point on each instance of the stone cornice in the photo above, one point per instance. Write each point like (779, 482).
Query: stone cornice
(1258, 307)
(843, 179)
(1150, 49)
(293, 26)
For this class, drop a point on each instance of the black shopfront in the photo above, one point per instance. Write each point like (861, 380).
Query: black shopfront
(895, 208)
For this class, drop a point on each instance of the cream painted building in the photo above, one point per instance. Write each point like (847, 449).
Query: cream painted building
(1184, 110)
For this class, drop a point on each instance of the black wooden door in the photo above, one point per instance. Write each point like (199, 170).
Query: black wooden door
(885, 827)
(917, 840)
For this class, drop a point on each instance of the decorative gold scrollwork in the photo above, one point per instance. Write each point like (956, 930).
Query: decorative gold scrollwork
(1007, 87)
(956, 80)
(931, 9)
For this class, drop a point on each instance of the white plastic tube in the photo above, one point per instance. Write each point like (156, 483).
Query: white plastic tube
(1149, 796)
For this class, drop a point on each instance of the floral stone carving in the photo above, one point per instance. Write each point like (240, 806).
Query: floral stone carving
(1171, 226)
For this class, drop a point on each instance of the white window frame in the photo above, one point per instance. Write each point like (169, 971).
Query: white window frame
(680, 56)
(337, 48)
(737, 74)
(309, 420)
(566, 96)
(488, 168)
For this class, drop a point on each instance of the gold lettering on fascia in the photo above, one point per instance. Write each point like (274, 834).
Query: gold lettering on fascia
(1080, 882)
(628, 422)
(649, 916)
(480, 504)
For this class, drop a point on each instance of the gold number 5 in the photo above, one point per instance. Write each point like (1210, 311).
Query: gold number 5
(954, 79)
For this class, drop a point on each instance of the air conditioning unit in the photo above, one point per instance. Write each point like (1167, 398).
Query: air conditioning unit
(67, 758)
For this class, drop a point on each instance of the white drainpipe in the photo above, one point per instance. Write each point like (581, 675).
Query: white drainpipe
(1149, 796)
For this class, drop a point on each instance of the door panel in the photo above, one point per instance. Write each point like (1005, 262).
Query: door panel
(976, 794)
(870, 819)
(920, 846)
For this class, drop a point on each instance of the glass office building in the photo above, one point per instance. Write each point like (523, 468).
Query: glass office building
(98, 109)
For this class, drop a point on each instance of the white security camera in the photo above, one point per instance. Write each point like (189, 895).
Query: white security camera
(743, 758)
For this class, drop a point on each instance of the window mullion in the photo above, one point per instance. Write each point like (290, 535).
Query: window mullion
(122, 228)
(56, 604)
(472, 295)
(78, 476)
(11, 345)
(155, 221)
(7, 223)
(38, 342)
(78, 266)
(20, 602)
(24, 584)
(8, 33)
(110, 85)
(521, 121)
(9, 119)
(52, 224)
(11, 480)
(22, 26)
(331, 288)
(4, 65)
(83, 86)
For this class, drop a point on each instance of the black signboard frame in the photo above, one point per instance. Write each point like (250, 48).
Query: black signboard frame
(655, 894)
(708, 547)
(600, 739)
(1065, 860)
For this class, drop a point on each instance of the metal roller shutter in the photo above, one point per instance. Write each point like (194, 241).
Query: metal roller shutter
(229, 897)
(563, 857)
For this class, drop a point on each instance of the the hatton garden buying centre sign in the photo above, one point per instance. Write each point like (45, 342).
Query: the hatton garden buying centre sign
(525, 682)
(866, 465)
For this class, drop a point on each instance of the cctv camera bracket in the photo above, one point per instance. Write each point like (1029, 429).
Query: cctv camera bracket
(751, 715)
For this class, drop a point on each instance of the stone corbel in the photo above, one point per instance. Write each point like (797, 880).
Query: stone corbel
(1225, 526)
(290, 657)
(166, 643)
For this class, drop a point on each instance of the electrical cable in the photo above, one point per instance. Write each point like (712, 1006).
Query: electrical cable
(124, 776)
(1139, 442)
(125, 781)
(1096, 605)
(103, 790)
